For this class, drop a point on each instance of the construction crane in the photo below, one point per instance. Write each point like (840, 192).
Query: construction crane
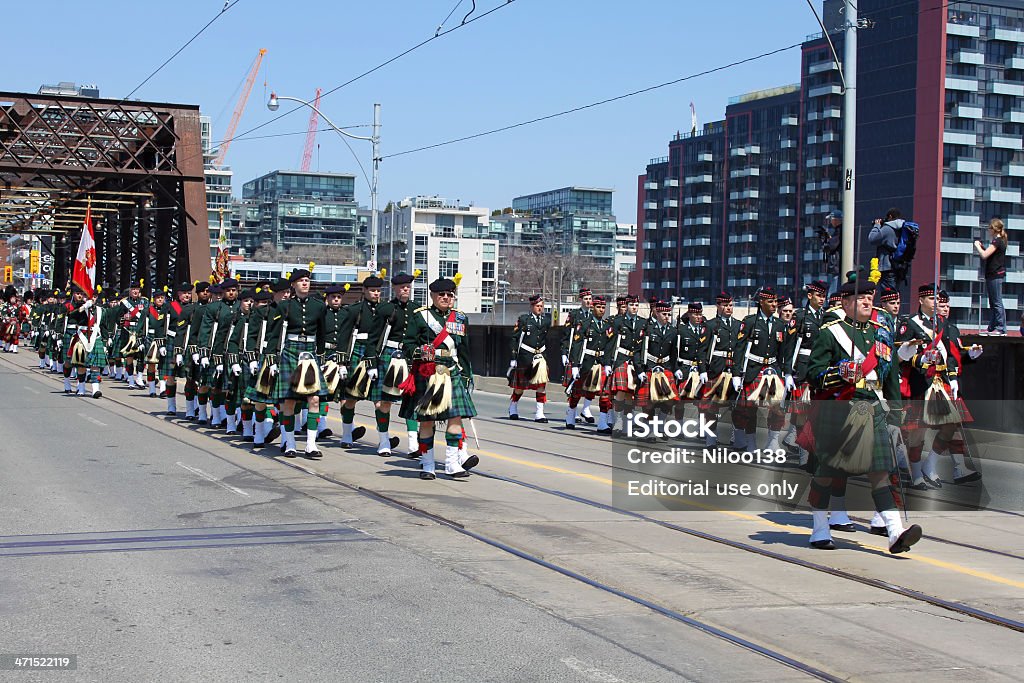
(307, 154)
(239, 108)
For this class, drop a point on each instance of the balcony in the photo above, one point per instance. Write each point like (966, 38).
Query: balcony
(650, 205)
(705, 156)
(822, 67)
(824, 90)
(1015, 170)
(968, 57)
(813, 139)
(1014, 223)
(811, 186)
(828, 160)
(1006, 88)
(671, 203)
(697, 220)
(1009, 35)
(669, 224)
(953, 137)
(965, 220)
(696, 263)
(965, 30)
(738, 152)
(965, 84)
(1004, 142)
(830, 137)
(966, 166)
(740, 216)
(697, 242)
(967, 111)
(1015, 62)
(787, 166)
(749, 193)
(1014, 116)
(996, 194)
(787, 213)
(787, 144)
(651, 185)
(790, 121)
(650, 225)
(699, 178)
(787, 235)
(741, 260)
(787, 189)
(671, 182)
(831, 113)
(698, 199)
(958, 192)
(742, 239)
(745, 172)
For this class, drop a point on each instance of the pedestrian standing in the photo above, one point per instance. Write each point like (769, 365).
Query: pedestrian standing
(884, 238)
(994, 256)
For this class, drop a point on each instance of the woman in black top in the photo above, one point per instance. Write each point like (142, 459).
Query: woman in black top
(994, 256)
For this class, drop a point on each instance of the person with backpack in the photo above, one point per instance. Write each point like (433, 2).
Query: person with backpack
(994, 256)
(894, 246)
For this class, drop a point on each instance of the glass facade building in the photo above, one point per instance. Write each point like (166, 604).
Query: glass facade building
(577, 220)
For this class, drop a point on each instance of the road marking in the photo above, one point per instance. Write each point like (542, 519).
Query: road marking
(92, 419)
(209, 477)
(917, 557)
(589, 672)
(30, 390)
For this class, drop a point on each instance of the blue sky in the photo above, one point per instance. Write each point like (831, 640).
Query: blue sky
(531, 58)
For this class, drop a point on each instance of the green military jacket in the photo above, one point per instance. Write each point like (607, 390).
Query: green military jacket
(424, 326)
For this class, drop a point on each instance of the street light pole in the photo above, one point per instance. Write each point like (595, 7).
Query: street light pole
(274, 103)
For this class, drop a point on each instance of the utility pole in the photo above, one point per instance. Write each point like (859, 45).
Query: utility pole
(375, 139)
(849, 67)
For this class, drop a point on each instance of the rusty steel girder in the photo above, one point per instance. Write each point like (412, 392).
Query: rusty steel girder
(140, 164)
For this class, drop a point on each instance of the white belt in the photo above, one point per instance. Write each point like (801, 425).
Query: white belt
(71, 327)
(330, 347)
(530, 349)
(361, 335)
(172, 333)
(804, 352)
(689, 363)
(761, 359)
(621, 351)
(651, 358)
(721, 354)
(591, 352)
(300, 338)
(392, 344)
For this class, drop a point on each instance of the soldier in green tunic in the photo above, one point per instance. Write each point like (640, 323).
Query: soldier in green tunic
(437, 340)
(528, 370)
(214, 331)
(150, 330)
(854, 370)
(176, 324)
(335, 318)
(363, 329)
(265, 340)
(236, 364)
(195, 397)
(392, 366)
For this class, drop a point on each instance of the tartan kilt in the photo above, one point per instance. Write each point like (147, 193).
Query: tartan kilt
(619, 380)
(461, 406)
(827, 424)
(251, 393)
(796, 404)
(120, 339)
(287, 365)
(377, 388)
(97, 358)
(709, 394)
(66, 347)
(167, 367)
(358, 351)
(518, 381)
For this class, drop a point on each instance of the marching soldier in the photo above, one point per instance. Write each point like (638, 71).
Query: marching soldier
(691, 354)
(236, 361)
(759, 381)
(575, 320)
(265, 325)
(437, 340)
(126, 347)
(300, 376)
(586, 377)
(854, 365)
(196, 396)
(335, 365)
(721, 346)
(801, 334)
(150, 330)
(214, 331)
(85, 351)
(656, 361)
(363, 330)
(625, 336)
(176, 329)
(392, 367)
(528, 370)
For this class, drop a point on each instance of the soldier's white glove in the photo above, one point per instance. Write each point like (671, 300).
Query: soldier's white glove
(273, 370)
(205, 362)
(906, 351)
(641, 377)
(703, 378)
(163, 352)
(342, 371)
(608, 370)
(975, 351)
(195, 357)
(513, 363)
(178, 360)
(790, 384)
(253, 367)
(87, 305)
(219, 369)
(236, 369)
(680, 375)
(565, 359)
(737, 384)
(575, 372)
(372, 374)
(954, 387)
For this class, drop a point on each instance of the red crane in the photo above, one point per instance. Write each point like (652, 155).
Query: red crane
(307, 154)
(239, 108)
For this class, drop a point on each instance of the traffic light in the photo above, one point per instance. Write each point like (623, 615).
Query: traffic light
(8, 275)
(33, 262)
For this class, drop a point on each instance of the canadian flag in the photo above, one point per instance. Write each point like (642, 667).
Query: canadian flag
(84, 274)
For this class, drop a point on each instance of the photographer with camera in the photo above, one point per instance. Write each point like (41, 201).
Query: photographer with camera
(831, 236)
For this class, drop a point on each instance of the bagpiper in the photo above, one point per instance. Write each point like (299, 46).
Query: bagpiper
(265, 325)
(126, 347)
(722, 331)
(759, 381)
(528, 369)
(586, 379)
(963, 355)
(441, 381)
(854, 372)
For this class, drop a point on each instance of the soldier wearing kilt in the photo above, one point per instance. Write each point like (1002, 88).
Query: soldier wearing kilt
(573, 322)
(393, 368)
(759, 382)
(692, 340)
(196, 396)
(300, 377)
(528, 370)
(439, 386)
(75, 317)
(41, 326)
(363, 330)
(176, 328)
(236, 361)
(801, 333)
(125, 353)
(625, 336)
(214, 331)
(722, 330)
(56, 341)
(265, 326)
(585, 380)
(9, 323)
(149, 331)
(335, 363)
(964, 355)
(853, 371)
(109, 326)
(656, 361)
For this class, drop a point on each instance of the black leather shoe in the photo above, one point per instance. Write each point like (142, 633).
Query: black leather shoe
(541, 420)
(827, 544)
(357, 433)
(201, 421)
(848, 528)
(257, 446)
(312, 455)
(906, 539)
(428, 475)
(394, 441)
(607, 431)
(459, 475)
(513, 417)
(967, 478)
(934, 483)
(589, 420)
(921, 486)
(326, 433)
(471, 462)
(568, 426)
(879, 531)
(97, 394)
(272, 435)
(290, 453)
(171, 413)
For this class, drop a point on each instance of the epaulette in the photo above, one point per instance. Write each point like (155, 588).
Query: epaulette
(877, 323)
(830, 323)
(421, 308)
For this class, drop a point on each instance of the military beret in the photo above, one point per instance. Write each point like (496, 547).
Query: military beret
(402, 279)
(600, 299)
(372, 281)
(889, 294)
(299, 274)
(858, 286)
(943, 296)
(662, 306)
(247, 294)
(264, 295)
(442, 284)
(534, 298)
(228, 283)
(184, 287)
(817, 286)
(767, 293)
(202, 286)
(784, 300)
(723, 297)
(926, 290)
(585, 291)
(280, 285)
(695, 306)
(622, 298)
(632, 299)
(834, 298)
(335, 288)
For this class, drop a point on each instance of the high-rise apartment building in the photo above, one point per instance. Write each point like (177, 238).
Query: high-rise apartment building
(577, 220)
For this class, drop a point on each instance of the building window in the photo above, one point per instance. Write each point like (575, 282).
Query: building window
(448, 251)
(447, 268)
(487, 271)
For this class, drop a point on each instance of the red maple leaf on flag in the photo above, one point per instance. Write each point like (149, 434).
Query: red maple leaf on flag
(90, 257)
